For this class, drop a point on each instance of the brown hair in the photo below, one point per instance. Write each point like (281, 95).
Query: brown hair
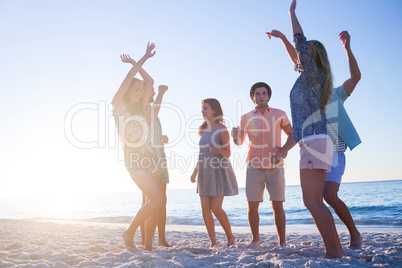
(258, 85)
(216, 107)
(133, 108)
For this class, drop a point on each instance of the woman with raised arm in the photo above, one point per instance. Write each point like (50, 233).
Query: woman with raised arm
(216, 177)
(154, 126)
(341, 129)
(130, 103)
(308, 99)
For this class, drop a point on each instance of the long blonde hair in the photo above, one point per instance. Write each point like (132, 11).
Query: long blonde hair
(319, 55)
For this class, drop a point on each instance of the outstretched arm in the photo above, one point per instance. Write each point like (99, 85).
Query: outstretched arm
(355, 75)
(288, 46)
(118, 97)
(301, 46)
(145, 76)
(296, 28)
(156, 106)
(148, 80)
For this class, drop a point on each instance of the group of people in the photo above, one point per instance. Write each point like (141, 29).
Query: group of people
(320, 125)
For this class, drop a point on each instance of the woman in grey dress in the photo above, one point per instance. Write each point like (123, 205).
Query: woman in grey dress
(216, 178)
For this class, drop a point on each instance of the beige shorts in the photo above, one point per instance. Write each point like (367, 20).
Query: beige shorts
(257, 179)
(317, 154)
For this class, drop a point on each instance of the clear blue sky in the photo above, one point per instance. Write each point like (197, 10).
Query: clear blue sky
(56, 55)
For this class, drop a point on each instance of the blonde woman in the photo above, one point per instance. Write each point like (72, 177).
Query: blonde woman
(342, 130)
(308, 99)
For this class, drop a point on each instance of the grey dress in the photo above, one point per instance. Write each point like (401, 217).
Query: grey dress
(215, 173)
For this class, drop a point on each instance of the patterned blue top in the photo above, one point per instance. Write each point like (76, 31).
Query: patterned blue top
(305, 96)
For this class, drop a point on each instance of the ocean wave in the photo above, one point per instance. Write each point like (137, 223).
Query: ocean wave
(198, 221)
(308, 221)
(368, 208)
(374, 209)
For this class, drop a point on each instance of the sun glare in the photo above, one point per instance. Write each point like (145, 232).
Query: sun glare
(62, 206)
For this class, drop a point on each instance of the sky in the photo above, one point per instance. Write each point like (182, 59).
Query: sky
(60, 68)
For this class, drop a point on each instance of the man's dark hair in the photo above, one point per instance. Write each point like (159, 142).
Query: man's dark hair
(258, 85)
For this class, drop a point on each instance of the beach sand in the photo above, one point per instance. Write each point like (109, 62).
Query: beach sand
(35, 243)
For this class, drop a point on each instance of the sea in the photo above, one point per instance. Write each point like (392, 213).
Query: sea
(372, 205)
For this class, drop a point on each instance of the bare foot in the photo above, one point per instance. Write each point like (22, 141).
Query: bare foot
(335, 255)
(255, 244)
(329, 256)
(164, 244)
(213, 242)
(128, 241)
(332, 257)
(211, 245)
(355, 241)
(231, 241)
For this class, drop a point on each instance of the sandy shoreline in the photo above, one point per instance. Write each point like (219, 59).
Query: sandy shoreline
(33, 243)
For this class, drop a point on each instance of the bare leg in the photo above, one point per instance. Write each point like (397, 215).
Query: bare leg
(142, 225)
(150, 227)
(150, 223)
(162, 219)
(331, 197)
(151, 189)
(220, 214)
(312, 183)
(208, 218)
(280, 220)
(254, 220)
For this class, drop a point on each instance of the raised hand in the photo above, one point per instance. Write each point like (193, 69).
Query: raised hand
(149, 52)
(127, 59)
(275, 33)
(292, 6)
(162, 89)
(345, 37)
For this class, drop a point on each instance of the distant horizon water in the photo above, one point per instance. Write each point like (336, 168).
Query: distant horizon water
(135, 189)
(372, 204)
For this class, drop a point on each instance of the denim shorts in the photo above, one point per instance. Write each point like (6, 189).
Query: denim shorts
(337, 168)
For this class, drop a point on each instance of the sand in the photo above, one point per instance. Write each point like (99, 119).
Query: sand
(35, 243)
